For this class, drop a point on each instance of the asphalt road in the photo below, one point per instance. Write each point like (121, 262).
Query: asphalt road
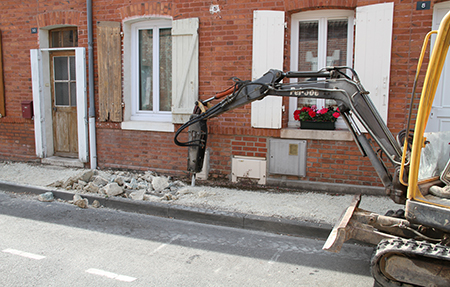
(58, 244)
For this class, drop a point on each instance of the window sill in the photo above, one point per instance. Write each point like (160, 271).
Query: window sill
(148, 126)
(336, 135)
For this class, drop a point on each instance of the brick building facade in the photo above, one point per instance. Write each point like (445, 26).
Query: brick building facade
(224, 50)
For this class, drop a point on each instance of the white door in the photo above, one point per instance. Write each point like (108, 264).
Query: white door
(440, 112)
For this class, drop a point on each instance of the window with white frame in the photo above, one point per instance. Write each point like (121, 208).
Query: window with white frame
(151, 71)
(160, 72)
(319, 39)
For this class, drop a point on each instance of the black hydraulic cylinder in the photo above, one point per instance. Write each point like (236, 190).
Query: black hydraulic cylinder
(379, 166)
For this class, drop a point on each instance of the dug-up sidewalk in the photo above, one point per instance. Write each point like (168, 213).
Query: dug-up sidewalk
(297, 213)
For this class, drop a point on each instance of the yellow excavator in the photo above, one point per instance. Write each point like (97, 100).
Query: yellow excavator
(412, 245)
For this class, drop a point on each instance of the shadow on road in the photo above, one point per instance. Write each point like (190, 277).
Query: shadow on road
(254, 244)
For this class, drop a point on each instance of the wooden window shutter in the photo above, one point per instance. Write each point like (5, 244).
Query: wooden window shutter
(109, 57)
(373, 40)
(268, 46)
(184, 68)
(2, 86)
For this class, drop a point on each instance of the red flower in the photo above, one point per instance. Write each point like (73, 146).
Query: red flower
(312, 113)
(297, 115)
(336, 115)
(323, 111)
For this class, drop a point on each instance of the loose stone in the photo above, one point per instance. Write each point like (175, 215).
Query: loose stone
(46, 197)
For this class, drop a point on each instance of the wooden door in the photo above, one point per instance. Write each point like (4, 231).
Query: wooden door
(63, 80)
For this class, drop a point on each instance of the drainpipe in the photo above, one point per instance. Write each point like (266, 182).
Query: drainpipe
(92, 138)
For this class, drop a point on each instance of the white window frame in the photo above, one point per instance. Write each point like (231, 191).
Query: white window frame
(322, 16)
(136, 114)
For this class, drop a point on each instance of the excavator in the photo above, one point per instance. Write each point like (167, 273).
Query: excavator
(412, 245)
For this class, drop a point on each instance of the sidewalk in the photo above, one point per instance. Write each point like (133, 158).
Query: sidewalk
(297, 213)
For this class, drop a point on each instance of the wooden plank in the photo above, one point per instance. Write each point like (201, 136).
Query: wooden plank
(109, 71)
(2, 85)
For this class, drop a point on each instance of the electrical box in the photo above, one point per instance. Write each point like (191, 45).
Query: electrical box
(248, 167)
(287, 157)
(27, 109)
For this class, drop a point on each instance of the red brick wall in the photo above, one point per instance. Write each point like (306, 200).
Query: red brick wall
(139, 150)
(225, 51)
(16, 21)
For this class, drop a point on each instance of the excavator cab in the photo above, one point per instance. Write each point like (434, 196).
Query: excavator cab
(428, 197)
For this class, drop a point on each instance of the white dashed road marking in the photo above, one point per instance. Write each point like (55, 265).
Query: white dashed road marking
(24, 254)
(110, 275)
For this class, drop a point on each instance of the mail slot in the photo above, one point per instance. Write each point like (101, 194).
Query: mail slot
(27, 109)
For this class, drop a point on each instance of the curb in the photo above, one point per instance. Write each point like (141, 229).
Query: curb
(206, 216)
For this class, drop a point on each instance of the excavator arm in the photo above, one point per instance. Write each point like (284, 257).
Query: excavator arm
(329, 83)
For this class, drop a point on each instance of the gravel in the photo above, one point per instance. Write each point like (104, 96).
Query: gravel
(303, 206)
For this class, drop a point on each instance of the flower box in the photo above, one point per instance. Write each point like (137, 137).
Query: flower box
(310, 125)
(314, 119)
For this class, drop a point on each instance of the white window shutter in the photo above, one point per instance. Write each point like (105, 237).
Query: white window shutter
(39, 115)
(268, 46)
(373, 52)
(82, 120)
(184, 68)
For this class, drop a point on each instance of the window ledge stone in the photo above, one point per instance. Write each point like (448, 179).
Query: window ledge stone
(335, 135)
(148, 126)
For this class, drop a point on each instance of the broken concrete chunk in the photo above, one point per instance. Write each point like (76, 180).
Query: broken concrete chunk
(69, 182)
(82, 183)
(138, 194)
(86, 175)
(148, 176)
(133, 183)
(160, 183)
(100, 181)
(96, 204)
(120, 180)
(79, 201)
(91, 187)
(113, 189)
(46, 197)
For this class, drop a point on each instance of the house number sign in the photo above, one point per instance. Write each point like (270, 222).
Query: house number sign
(423, 5)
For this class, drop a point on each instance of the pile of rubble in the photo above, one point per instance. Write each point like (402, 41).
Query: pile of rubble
(146, 186)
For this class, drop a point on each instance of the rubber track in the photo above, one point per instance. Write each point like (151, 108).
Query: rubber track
(409, 247)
